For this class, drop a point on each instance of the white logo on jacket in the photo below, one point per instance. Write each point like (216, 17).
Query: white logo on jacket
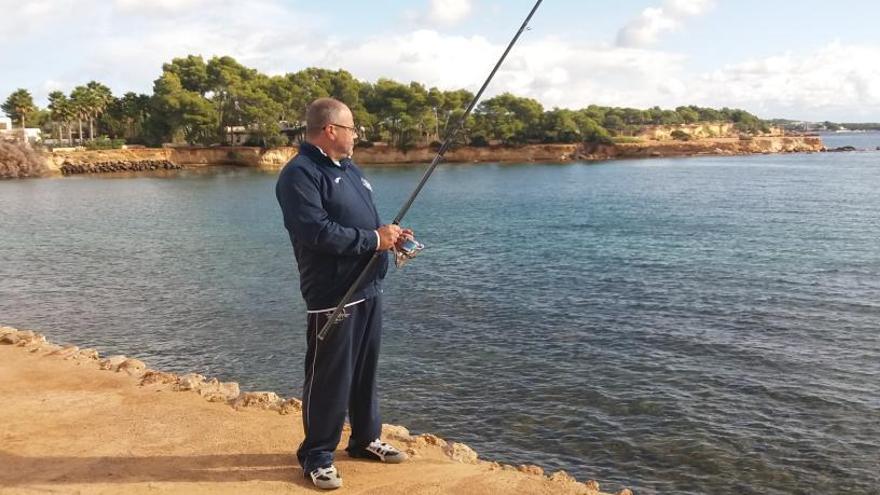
(366, 184)
(336, 180)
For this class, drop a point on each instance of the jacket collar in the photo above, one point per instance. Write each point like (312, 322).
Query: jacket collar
(318, 156)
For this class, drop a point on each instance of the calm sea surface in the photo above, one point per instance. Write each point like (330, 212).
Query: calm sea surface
(698, 325)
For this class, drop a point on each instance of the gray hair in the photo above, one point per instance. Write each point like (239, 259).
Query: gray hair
(322, 112)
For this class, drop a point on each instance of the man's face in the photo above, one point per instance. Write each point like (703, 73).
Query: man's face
(344, 133)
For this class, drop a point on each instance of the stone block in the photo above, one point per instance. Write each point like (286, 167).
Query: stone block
(461, 453)
(531, 469)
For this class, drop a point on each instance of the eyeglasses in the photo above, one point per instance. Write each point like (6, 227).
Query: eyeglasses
(350, 128)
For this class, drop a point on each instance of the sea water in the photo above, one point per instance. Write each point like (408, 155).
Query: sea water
(688, 325)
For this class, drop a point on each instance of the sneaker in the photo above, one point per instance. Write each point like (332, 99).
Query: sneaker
(326, 478)
(381, 451)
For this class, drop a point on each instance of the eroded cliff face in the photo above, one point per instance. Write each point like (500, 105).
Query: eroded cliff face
(571, 152)
(705, 130)
(719, 146)
(530, 153)
(275, 158)
(135, 158)
(58, 159)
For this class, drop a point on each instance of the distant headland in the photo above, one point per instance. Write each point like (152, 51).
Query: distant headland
(221, 112)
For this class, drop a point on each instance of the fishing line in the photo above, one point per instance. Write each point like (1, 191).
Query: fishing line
(339, 313)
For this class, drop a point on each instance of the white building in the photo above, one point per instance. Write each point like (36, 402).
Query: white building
(9, 131)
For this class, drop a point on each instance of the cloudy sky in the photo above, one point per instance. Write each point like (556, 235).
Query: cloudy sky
(810, 59)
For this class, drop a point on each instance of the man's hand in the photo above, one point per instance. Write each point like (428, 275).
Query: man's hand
(388, 235)
(404, 235)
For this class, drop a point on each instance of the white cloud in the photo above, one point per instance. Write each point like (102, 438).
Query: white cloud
(423, 55)
(646, 29)
(259, 36)
(682, 8)
(449, 11)
(22, 19)
(157, 6)
(834, 82)
(837, 82)
(554, 71)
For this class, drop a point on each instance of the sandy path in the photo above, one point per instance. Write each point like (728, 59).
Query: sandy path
(68, 427)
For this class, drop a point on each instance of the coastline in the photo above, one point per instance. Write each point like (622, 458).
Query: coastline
(78, 423)
(69, 161)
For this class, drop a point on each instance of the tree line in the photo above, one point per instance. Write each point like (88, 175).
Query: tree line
(205, 102)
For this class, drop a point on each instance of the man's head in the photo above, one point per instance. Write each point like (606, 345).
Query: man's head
(330, 126)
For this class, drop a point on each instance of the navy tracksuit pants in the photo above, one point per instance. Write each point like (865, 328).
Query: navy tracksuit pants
(341, 376)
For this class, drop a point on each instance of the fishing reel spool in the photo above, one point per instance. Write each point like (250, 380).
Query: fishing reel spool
(407, 250)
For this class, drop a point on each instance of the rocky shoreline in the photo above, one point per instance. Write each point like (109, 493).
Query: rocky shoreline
(135, 378)
(68, 168)
(66, 162)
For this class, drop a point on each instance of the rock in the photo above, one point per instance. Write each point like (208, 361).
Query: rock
(531, 469)
(23, 338)
(132, 366)
(65, 352)
(625, 491)
(508, 467)
(592, 486)
(112, 363)
(48, 348)
(461, 453)
(208, 386)
(562, 476)
(230, 390)
(394, 432)
(86, 354)
(215, 391)
(429, 439)
(153, 377)
(258, 400)
(291, 406)
(6, 330)
(190, 381)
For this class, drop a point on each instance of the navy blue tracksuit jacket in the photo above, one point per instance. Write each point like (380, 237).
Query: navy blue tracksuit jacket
(330, 216)
(329, 213)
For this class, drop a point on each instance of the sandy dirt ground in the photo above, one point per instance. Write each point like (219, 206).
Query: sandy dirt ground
(66, 426)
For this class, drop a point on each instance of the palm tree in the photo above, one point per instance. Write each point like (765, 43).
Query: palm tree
(99, 97)
(57, 104)
(79, 102)
(18, 105)
(69, 114)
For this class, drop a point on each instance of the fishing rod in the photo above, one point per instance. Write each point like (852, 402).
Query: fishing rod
(339, 313)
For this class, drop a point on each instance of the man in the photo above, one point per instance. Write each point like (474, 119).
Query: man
(335, 229)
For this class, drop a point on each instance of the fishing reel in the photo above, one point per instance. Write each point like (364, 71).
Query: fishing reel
(406, 250)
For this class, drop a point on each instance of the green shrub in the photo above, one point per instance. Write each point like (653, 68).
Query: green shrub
(105, 143)
(680, 135)
(626, 139)
(479, 141)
